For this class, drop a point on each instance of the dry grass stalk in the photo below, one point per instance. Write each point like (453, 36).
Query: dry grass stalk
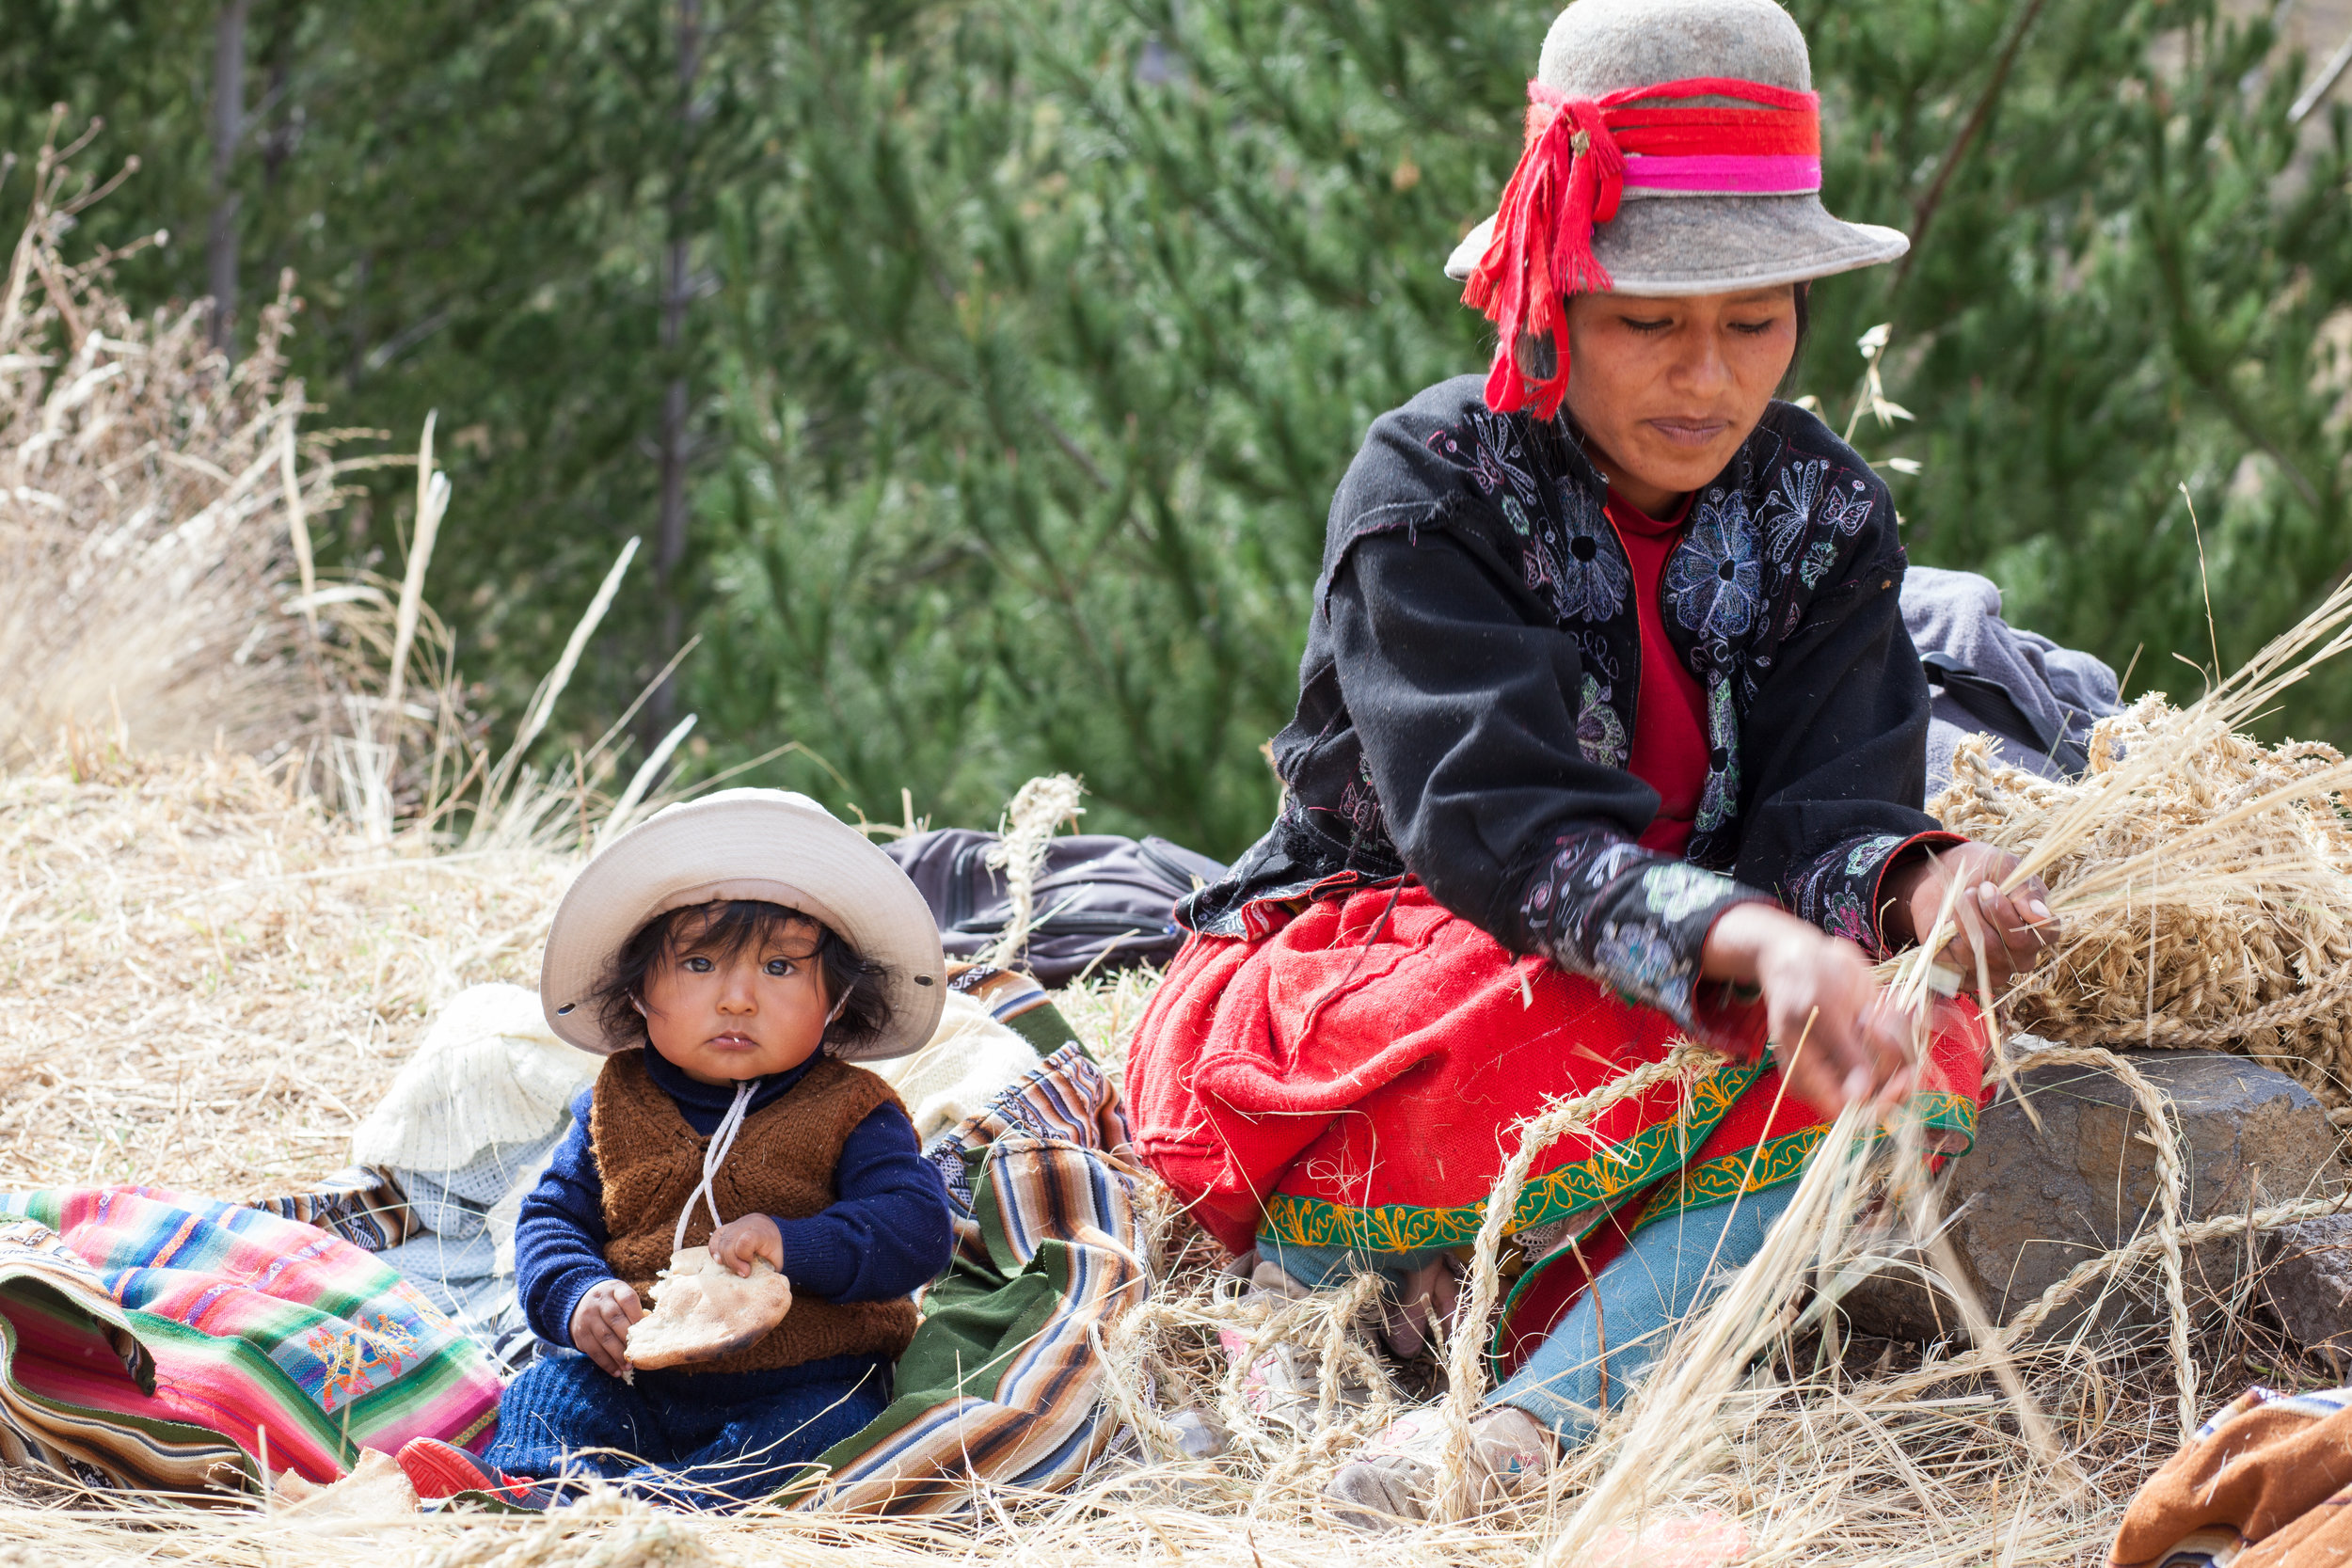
(206, 978)
(1039, 807)
(145, 489)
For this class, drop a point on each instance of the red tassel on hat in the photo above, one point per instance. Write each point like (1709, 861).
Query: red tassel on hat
(1575, 170)
(1570, 177)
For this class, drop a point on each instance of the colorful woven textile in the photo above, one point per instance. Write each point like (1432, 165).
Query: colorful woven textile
(165, 1342)
(362, 1204)
(1350, 1080)
(1004, 1383)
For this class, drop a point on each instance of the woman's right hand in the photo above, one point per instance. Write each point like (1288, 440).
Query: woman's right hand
(600, 1325)
(1836, 1035)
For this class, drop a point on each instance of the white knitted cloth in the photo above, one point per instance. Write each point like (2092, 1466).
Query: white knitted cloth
(488, 1072)
(970, 1058)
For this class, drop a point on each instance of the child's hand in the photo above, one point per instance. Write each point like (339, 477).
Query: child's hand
(600, 1325)
(736, 1243)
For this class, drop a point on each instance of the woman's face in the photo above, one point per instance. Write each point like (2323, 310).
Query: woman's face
(723, 1017)
(1666, 390)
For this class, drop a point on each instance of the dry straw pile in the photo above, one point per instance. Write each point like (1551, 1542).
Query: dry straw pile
(2208, 877)
(214, 955)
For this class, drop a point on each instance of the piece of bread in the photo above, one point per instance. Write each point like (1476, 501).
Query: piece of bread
(702, 1309)
(376, 1488)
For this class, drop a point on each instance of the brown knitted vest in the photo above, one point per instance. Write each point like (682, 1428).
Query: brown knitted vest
(782, 1163)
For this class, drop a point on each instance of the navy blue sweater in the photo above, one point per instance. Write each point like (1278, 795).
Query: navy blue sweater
(888, 1234)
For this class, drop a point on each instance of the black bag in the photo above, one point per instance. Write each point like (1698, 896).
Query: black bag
(1101, 902)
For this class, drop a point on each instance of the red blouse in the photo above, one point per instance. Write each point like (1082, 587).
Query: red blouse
(1670, 708)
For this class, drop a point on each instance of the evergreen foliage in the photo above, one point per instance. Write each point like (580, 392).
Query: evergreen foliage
(1028, 340)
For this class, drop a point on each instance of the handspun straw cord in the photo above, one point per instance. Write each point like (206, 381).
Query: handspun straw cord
(720, 1141)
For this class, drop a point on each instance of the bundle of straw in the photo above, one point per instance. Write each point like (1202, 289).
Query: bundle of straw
(2207, 884)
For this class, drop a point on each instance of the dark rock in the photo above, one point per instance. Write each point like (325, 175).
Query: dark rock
(2032, 1204)
(2309, 1281)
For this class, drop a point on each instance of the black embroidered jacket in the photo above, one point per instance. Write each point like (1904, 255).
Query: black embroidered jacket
(1467, 693)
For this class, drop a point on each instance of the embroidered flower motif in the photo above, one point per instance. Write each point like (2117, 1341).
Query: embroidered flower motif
(1720, 801)
(1713, 580)
(1816, 567)
(1845, 510)
(1844, 917)
(1789, 507)
(1599, 732)
(1638, 960)
(1613, 861)
(1496, 461)
(1595, 573)
(1360, 800)
(1676, 891)
(1868, 853)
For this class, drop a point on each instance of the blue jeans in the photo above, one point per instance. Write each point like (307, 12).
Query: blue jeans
(690, 1439)
(1616, 1328)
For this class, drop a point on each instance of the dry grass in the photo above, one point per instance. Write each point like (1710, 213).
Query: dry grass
(206, 980)
(209, 977)
(2236, 930)
(148, 492)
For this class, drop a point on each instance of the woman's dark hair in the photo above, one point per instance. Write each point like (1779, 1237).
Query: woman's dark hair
(725, 929)
(1804, 330)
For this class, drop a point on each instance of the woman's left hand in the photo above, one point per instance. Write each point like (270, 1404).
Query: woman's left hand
(739, 1242)
(2011, 930)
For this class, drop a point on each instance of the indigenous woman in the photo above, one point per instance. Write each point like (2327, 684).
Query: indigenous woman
(1608, 734)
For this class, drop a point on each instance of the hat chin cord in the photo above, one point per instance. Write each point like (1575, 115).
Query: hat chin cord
(713, 1157)
(721, 1142)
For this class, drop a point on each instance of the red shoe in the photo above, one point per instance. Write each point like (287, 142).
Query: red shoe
(438, 1469)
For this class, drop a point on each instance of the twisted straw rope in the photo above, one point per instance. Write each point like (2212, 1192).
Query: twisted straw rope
(2138, 1250)
(2170, 1180)
(2208, 882)
(1465, 1375)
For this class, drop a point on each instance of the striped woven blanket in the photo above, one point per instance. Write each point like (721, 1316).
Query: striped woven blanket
(176, 1344)
(1004, 1383)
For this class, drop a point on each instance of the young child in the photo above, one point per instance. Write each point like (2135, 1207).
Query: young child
(730, 957)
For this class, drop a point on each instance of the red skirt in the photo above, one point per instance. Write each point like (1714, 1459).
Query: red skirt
(1352, 1079)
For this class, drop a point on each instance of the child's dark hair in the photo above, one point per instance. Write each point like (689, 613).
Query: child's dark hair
(723, 929)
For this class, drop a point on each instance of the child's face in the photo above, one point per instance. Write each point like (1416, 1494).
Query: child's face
(720, 1018)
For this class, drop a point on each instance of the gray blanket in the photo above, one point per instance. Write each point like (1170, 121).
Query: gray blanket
(2036, 699)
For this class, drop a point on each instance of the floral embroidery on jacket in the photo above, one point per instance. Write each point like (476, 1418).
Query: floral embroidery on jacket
(1794, 515)
(1720, 798)
(1599, 732)
(1833, 890)
(1678, 890)
(1634, 920)
(1713, 581)
(1594, 575)
(1788, 510)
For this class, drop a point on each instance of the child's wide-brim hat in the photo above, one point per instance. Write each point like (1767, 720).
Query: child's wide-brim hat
(1666, 241)
(768, 844)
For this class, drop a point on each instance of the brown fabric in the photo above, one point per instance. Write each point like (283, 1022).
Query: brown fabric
(782, 1162)
(2275, 1474)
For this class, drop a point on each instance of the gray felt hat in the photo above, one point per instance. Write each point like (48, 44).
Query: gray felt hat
(1665, 243)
